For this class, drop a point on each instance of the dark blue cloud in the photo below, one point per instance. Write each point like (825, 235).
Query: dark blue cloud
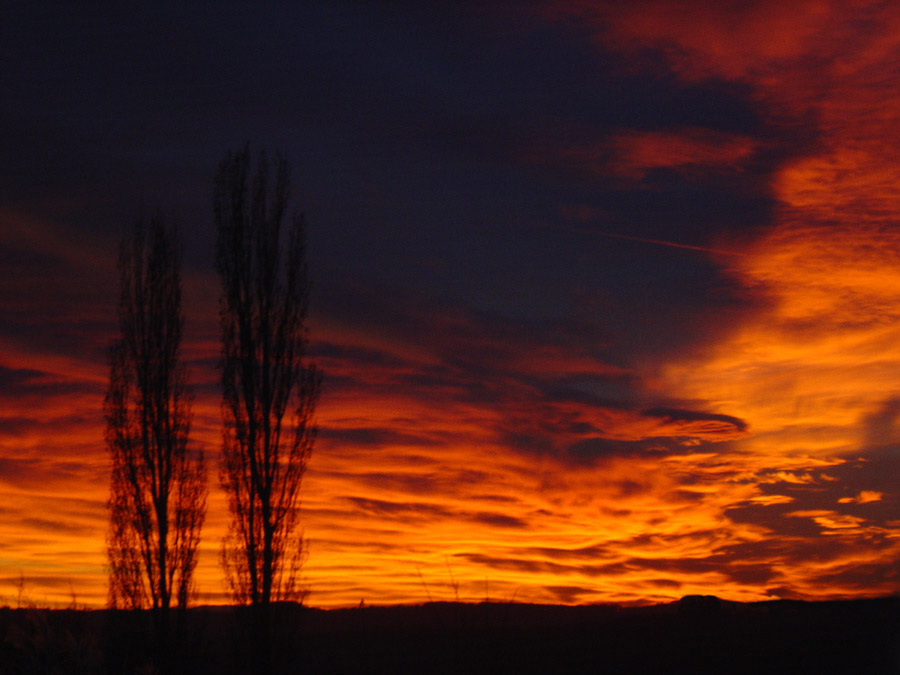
(680, 415)
(591, 450)
(407, 127)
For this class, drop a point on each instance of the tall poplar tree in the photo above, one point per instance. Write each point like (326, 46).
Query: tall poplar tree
(157, 500)
(269, 387)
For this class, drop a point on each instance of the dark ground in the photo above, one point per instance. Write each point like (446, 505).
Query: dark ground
(695, 635)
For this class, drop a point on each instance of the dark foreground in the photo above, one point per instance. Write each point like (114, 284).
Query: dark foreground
(695, 635)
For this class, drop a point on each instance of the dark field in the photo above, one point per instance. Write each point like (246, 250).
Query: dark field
(695, 635)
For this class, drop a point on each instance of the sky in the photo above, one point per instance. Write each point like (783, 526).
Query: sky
(606, 294)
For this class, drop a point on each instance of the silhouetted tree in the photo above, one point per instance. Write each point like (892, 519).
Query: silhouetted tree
(269, 388)
(158, 490)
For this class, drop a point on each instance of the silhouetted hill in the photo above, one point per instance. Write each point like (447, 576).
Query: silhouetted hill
(699, 634)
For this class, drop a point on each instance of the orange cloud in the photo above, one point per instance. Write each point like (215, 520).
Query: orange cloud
(630, 155)
(416, 470)
(814, 370)
(864, 497)
(733, 40)
(635, 153)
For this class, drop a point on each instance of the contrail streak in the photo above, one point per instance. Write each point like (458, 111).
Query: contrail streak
(658, 242)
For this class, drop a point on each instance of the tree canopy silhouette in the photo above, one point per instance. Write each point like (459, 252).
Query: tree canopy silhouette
(157, 500)
(269, 388)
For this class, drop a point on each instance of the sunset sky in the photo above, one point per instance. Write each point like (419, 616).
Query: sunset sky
(606, 293)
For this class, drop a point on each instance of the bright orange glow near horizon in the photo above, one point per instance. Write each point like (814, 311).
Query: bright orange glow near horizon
(471, 460)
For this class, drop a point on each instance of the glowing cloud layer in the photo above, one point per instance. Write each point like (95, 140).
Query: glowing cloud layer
(467, 454)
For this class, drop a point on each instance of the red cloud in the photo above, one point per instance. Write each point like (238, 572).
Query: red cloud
(635, 153)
